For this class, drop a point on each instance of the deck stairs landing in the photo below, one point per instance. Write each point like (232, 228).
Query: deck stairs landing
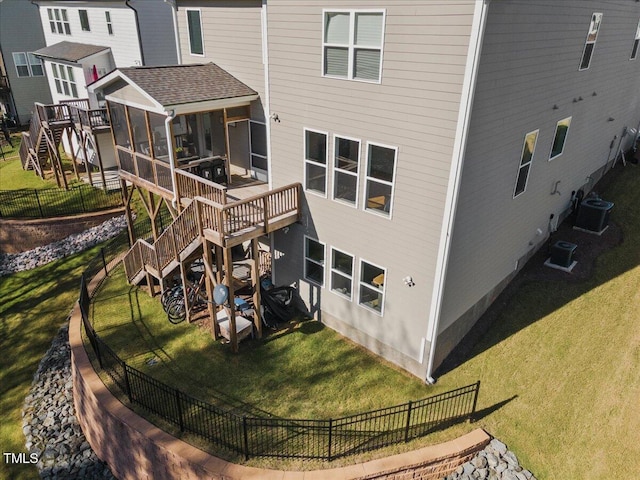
(225, 225)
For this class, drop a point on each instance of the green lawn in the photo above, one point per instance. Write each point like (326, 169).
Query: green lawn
(559, 367)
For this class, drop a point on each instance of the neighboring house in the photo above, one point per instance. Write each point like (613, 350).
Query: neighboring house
(438, 144)
(22, 75)
(84, 42)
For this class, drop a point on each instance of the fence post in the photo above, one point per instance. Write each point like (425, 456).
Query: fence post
(330, 435)
(126, 381)
(39, 205)
(475, 402)
(406, 429)
(104, 261)
(84, 209)
(179, 407)
(246, 437)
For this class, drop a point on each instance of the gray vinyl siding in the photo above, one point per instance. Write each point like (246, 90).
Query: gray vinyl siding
(414, 108)
(529, 63)
(156, 32)
(232, 36)
(16, 18)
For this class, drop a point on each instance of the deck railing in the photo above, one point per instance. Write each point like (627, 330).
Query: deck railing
(190, 186)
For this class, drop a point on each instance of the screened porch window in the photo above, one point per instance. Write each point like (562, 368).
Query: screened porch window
(119, 124)
(258, 133)
(352, 44)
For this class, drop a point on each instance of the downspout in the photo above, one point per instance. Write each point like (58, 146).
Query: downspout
(455, 174)
(267, 87)
(174, 14)
(135, 15)
(171, 114)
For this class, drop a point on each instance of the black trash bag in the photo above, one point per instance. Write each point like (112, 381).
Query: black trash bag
(281, 304)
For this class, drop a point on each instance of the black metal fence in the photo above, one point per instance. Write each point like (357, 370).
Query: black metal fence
(277, 437)
(55, 202)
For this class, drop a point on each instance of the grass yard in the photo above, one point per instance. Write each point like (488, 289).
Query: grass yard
(559, 367)
(33, 306)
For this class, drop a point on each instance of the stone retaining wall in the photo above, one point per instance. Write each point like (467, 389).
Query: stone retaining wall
(18, 236)
(136, 449)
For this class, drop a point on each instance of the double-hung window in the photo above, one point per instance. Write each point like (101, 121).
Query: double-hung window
(342, 273)
(371, 293)
(379, 178)
(84, 20)
(636, 43)
(58, 21)
(194, 25)
(352, 44)
(107, 17)
(314, 254)
(64, 80)
(27, 64)
(345, 169)
(592, 36)
(315, 161)
(560, 137)
(528, 149)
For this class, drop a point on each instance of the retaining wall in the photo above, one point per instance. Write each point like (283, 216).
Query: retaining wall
(18, 236)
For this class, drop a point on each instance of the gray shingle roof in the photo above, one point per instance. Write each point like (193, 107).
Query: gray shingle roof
(180, 84)
(70, 51)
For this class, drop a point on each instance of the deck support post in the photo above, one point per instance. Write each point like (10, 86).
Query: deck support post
(231, 309)
(255, 280)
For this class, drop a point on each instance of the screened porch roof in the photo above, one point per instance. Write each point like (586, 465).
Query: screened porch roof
(177, 89)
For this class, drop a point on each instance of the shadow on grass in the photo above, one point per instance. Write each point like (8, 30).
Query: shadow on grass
(537, 290)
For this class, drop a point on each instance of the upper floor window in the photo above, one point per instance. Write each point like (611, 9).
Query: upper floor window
(28, 65)
(84, 20)
(58, 21)
(379, 178)
(526, 157)
(107, 16)
(636, 42)
(352, 44)
(345, 169)
(194, 25)
(65, 80)
(315, 162)
(592, 36)
(559, 139)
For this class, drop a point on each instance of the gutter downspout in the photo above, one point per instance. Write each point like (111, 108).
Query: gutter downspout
(171, 114)
(267, 87)
(135, 15)
(455, 175)
(174, 15)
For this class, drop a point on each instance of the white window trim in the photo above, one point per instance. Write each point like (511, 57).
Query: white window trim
(29, 65)
(323, 265)
(351, 47)
(332, 271)
(251, 152)
(392, 183)
(588, 42)
(551, 156)
(186, 15)
(636, 43)
(313, 162)
(55, 19)
(109, 22)
(372, 287)
(57, 68)
(335, 169)
(86, 11)
(530, 163)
